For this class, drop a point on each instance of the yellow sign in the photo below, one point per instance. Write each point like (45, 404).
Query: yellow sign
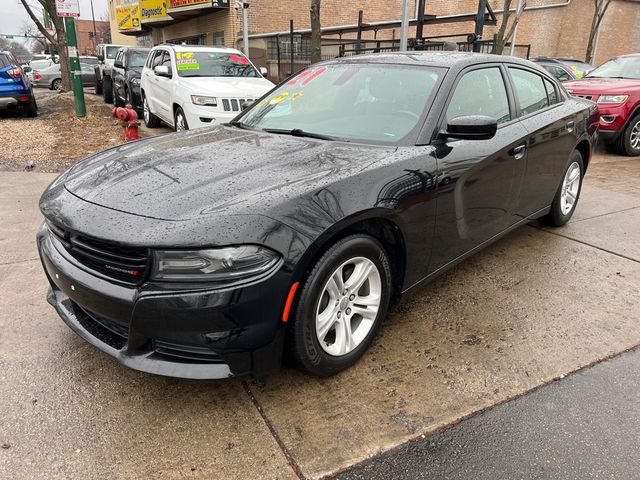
(128, 17)
(153, 10)
(188, 3)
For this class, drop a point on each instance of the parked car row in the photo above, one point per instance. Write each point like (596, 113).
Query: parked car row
(183, 86)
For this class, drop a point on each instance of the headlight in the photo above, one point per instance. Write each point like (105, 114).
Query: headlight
(613, 98)
(202, 100)
(216, 264)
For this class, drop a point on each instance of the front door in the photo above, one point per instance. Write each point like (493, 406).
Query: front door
(479, 181)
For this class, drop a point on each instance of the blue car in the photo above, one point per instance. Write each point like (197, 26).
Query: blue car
(15, 88)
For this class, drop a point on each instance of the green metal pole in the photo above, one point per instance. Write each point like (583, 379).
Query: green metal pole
(74, 62)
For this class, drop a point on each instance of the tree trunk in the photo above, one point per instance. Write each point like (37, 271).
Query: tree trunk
(59, 42)
(316, 35)
(600, 9)
(500, 41)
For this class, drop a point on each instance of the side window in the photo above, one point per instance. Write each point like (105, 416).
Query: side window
(166, 59)
(529, 87)
(4, 61)
(560, 73)
(157, 59)
(150, 58)
(552, 95)
(480, 92)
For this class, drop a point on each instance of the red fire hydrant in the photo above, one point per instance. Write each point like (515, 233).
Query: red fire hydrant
(129, 120)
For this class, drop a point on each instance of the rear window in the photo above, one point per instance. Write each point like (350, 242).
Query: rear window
(112, 52)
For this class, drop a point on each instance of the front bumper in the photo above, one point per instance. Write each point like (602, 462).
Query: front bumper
(199, 117)
(182, 331)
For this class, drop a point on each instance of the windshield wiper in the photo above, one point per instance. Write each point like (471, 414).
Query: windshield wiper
(298, 132)
(242, 125)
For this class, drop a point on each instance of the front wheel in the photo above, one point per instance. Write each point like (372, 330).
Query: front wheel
(566, 199)
(107, 90)
(116, 98)
(628, 143)
(180, 121)
(97, 85)
(342, 304)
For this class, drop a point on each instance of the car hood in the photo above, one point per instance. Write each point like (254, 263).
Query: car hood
(232, 87)
(602, 86)
(217, 171)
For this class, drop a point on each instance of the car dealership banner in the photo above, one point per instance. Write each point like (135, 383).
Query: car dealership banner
(181, 5)
(154, 11)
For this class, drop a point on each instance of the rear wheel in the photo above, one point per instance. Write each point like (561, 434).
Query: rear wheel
(31, 110)
(566, 199)
(98, 85)
(56, 84)
(628, 143)
(117, 102)
(107, 90)
(180, 121)
(150, 120)
(341, 306)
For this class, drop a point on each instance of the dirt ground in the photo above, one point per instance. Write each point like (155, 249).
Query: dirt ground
(57, 139)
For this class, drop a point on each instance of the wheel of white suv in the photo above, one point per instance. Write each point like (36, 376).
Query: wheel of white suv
(180, 123)
(150, 120)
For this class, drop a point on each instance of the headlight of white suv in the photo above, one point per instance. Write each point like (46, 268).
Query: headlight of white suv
(202, 100)
(613, 99)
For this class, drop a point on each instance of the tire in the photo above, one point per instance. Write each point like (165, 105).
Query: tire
(628, 143)
(128, 99)
(117, 102)
(98, 86)
(150, 120)
(107, 90)
(180, 121)
(56, 84)
(317, 345)
(561, 212)
(31, 110)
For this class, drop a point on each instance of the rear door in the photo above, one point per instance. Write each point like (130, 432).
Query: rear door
(550, 140)
(163, 89)
(479, 181)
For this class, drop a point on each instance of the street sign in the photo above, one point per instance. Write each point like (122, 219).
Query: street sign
(68, 8)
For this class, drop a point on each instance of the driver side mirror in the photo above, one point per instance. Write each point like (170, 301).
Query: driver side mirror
(471, 127)
(162, 71)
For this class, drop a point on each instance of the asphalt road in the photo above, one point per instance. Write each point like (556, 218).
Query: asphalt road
(584, 426)
(531, 308)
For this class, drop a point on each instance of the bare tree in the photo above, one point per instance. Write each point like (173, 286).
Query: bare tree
(316, 34)
(600, 9)
(38, 42)
(505, 31)
(58, 40)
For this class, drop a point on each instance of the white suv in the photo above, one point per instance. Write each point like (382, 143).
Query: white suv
(190, 86)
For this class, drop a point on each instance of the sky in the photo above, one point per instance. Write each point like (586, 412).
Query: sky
(13, 14)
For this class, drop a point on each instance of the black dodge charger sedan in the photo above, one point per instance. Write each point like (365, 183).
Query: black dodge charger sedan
(215, 252)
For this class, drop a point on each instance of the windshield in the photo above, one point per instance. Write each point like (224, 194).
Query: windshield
(137, 58)
(380, 103)
(112, 52)
(621, 67)
(214, 64)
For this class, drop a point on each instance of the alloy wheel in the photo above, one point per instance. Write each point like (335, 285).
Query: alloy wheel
(570, 188)
(57, 84)
(181, 122)
(348, 306)
(634, 140)
(145, 111)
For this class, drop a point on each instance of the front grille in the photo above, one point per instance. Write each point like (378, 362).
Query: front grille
(127, 264)
(189, 353)
(105, 330)
(234, 104)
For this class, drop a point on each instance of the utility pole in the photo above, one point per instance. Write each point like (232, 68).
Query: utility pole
(245, 28)
(93, 17)
(404, 27)
(74, 63)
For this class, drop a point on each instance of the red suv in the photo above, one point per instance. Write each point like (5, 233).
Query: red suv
(615, 87)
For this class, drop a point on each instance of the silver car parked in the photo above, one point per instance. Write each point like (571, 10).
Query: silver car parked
(51, 78)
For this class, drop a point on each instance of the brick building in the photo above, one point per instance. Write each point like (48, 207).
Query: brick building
(552, 27)
(86, 40)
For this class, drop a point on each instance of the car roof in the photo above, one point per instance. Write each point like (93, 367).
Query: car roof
(434, 59)
(195, 48)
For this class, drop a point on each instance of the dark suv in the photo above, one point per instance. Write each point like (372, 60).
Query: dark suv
(125, 76)
(15, 87)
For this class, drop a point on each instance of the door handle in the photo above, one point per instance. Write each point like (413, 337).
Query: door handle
(518, 152)
(570, 126)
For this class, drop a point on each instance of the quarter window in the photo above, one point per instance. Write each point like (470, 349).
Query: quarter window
(551, 92)
(480, 92)
(530, 90)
